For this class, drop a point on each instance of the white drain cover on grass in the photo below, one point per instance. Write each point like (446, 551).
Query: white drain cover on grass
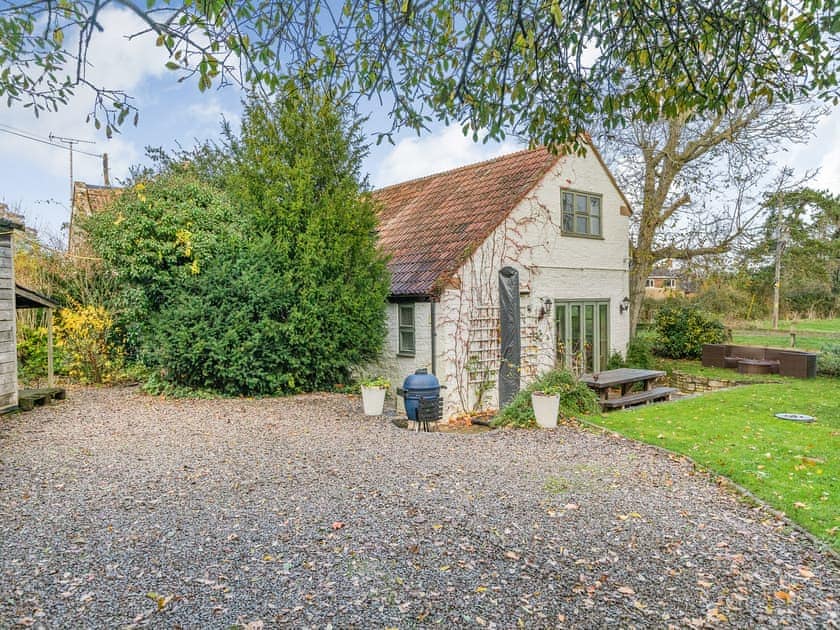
(796, 417)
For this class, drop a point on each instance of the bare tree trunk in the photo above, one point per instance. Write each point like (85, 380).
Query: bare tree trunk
(668, 166)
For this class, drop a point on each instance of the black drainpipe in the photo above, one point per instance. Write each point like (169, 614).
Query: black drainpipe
(434, 338)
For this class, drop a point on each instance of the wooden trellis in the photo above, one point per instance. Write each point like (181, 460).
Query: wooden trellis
(485, 344)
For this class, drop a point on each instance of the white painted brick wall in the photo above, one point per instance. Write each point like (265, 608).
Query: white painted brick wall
(551, 266)
(395, 367)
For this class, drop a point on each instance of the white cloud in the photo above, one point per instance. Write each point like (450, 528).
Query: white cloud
(31, 172)
(822, 152)
(120, 63)
(434, 153)
(828, 133)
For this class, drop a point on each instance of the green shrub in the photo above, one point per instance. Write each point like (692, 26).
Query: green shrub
(828, 361)
(264, 279)
(575, 399)
(32, 354)
(85, 334)
(682, 331)
(615, 361)
(640, 352)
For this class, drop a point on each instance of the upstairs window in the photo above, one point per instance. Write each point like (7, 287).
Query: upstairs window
(650, 283)
(581, 214)
(406, 329)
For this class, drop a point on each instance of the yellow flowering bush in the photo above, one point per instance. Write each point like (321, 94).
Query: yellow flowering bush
(90, 356)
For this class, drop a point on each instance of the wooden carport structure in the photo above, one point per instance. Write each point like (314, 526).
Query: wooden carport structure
(28, 398)
(27, 298)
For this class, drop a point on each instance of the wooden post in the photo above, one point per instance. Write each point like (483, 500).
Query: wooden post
(780, 247)
(50, 378)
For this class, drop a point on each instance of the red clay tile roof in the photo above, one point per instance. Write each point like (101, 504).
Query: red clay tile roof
(430, 225)
(87, 199)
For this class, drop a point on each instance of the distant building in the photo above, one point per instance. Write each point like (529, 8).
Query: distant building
(87, 199)
(665, 281)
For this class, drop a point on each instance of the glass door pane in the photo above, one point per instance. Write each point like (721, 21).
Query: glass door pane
(575, 336)
(562, 355)
(603, 337)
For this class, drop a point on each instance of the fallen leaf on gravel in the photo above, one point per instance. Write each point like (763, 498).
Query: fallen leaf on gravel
(704, 583)
(160, 600)
(626, 590)
(783, 595)
(445, 567)
(512, 555)
(337, 525)
(624, 517)
(572, 506)
(715, 614)
(480, 589)
(806, 573)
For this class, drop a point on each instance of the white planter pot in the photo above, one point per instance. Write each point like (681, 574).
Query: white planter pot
(373, 400)
(546, 408)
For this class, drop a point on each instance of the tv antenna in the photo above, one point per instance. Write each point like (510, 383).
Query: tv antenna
(70, 142)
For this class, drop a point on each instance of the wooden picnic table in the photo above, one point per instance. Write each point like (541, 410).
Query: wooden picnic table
(622, 377)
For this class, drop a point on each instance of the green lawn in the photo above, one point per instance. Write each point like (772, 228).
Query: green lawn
(802, 325)
(811, 334)
(794, 467)
(780, 339)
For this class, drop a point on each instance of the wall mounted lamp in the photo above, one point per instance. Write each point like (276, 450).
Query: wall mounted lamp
(545, 308)
(624, 306)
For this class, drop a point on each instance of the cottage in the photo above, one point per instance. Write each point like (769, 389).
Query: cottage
(559, 222)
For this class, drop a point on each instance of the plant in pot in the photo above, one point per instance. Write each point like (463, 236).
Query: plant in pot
(373, 395)
(546, 404)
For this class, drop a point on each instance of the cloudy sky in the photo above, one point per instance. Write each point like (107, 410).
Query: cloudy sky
(35, 177)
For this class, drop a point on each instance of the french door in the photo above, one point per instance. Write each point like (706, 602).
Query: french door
(583, 338)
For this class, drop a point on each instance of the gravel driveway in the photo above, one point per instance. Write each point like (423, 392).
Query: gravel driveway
(119, 509)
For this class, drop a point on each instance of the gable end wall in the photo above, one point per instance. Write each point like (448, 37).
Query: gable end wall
(551, 267)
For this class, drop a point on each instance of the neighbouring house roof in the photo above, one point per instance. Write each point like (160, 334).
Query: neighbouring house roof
(664, 272)
(430, 226)
(87, 199)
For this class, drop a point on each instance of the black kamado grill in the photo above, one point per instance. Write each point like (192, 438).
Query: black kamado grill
(423, 403)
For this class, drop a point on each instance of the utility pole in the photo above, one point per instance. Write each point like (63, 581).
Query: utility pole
(70, 142)
(780, 246)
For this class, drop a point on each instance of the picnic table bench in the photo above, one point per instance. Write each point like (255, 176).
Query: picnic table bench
(624, 379)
